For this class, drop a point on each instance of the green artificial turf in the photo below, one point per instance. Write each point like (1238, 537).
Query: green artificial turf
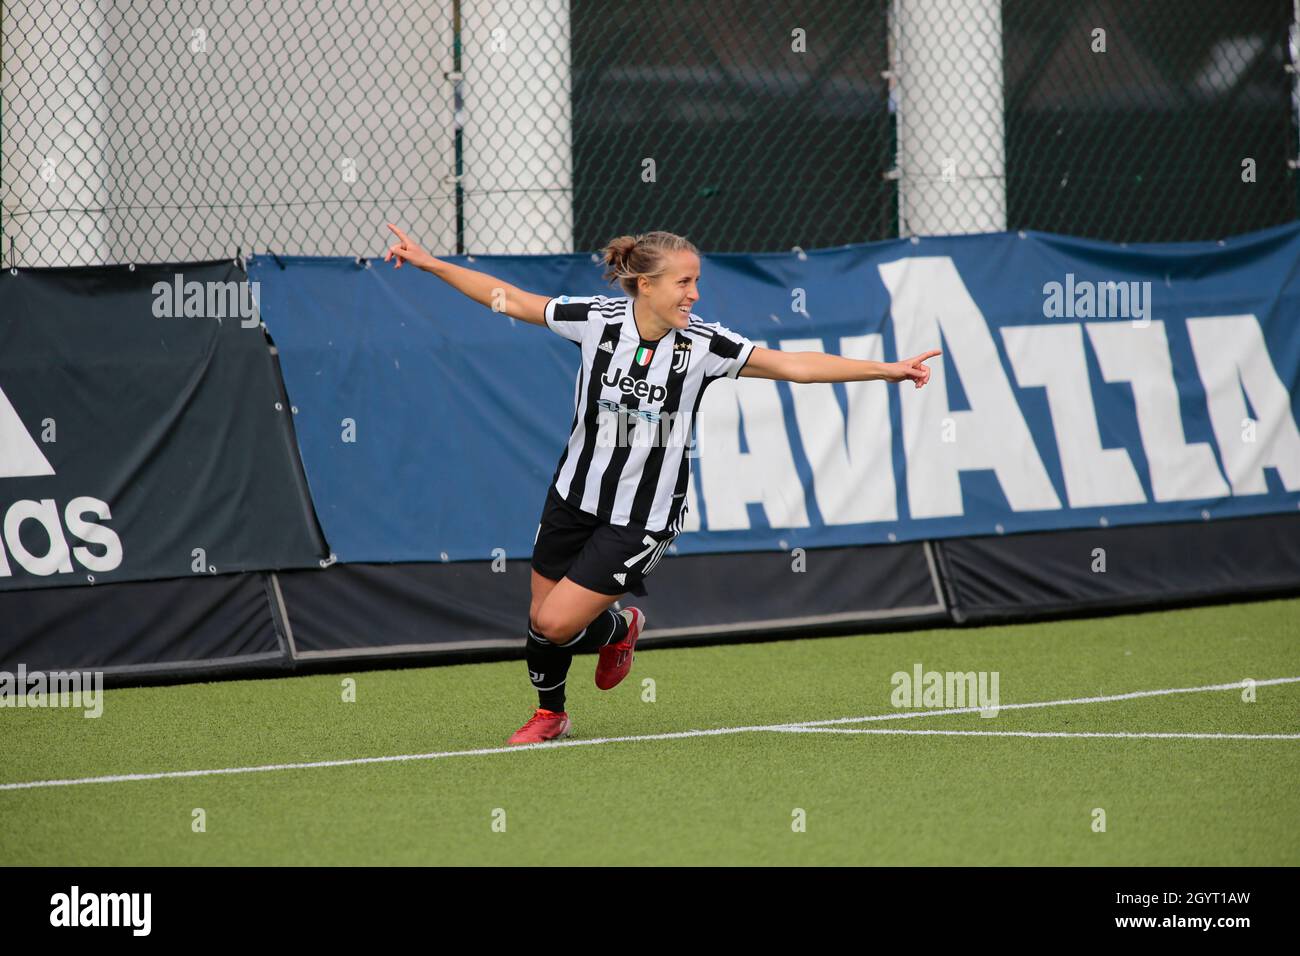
(718, 799)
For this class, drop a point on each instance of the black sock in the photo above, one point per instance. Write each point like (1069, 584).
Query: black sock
(548, 664)
(548, 669)
(609, 627)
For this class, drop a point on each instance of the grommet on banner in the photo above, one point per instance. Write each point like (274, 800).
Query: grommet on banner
(130, 267)
(798, 251)
(326, 562)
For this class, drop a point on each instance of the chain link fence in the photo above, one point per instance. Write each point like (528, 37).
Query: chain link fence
(156, 131)
(1151, 120)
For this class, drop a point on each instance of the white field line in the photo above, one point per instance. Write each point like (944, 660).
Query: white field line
(1027, 733)
(1134, 695)
(676, 735)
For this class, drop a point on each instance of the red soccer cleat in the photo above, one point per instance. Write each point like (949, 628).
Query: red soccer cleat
(543, 725)
(616, 659)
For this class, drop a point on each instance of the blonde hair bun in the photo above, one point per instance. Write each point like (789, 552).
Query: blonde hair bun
(627, 258)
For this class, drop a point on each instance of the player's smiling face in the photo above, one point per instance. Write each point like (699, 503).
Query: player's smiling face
(671, 295)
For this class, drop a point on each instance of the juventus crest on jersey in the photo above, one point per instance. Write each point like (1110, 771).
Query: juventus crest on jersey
(635, 401)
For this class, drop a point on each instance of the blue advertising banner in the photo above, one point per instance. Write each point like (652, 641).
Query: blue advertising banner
(1082, 384)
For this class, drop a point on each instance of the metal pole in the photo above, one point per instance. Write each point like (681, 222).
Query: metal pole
(950, 116)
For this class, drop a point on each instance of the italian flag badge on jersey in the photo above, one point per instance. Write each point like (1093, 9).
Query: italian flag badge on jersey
(643, 356)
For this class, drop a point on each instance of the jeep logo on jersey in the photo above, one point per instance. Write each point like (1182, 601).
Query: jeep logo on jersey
(21, 457)
(631, 386)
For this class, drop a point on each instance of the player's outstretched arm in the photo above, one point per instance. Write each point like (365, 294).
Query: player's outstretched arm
(806, 367)
(482, 288)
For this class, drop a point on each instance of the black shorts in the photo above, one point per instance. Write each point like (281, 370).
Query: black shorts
(607, 558)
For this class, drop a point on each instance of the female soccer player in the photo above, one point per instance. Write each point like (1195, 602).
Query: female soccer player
(618, 496)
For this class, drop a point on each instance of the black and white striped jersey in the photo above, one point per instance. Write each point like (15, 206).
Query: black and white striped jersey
(634, 408)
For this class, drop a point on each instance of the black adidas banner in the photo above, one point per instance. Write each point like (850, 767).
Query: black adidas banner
(144, 431)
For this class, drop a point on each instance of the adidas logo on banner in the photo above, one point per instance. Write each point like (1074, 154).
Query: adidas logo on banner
(21, 457)
(621, 577)
(607, 347)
